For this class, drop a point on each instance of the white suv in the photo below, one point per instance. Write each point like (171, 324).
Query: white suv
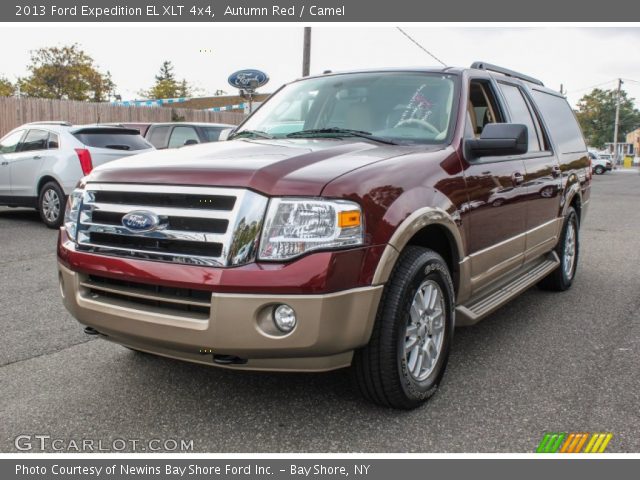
(600, 164)
(40, 163)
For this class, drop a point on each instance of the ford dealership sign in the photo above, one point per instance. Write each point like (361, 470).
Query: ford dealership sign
(248, 79)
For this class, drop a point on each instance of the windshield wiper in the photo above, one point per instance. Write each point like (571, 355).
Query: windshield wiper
(251, 133)
(340, 132)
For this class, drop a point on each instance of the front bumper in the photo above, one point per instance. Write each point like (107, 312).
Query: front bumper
(330, 325)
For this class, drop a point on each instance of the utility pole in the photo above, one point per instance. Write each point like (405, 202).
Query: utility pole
(306, 52)
(616, 125)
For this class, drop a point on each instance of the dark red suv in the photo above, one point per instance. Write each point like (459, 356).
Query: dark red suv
(353, 220)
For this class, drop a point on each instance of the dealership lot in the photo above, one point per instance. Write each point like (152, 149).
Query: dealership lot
(545, 362)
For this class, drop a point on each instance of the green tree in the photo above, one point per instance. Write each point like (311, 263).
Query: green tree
(167, 85)
(7, 88)
(596, 114)
(65, 73)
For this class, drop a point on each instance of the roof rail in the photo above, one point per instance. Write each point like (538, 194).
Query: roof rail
(52, 122)
(505, 71)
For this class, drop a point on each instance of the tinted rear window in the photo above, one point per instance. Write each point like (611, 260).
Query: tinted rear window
(114, 139)
(562, 123)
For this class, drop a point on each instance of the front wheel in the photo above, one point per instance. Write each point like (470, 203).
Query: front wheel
(599, 170)
(51, 203)
(405, 360)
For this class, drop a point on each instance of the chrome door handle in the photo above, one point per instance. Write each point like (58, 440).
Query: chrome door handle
(37, 157)
(4, 163)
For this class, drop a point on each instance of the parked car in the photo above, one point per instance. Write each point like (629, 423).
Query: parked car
(179, 134)
(41, 163)
(600, 164)
(351, 230)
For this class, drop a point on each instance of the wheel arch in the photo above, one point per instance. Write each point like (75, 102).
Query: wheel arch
(432, 228)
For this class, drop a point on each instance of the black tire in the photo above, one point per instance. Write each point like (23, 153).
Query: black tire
(380, 368)
(46, 204)
(560, 280)
(599, 170)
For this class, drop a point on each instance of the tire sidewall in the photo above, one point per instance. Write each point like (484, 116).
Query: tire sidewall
(599, 170)
(55, 187)
(430, 268)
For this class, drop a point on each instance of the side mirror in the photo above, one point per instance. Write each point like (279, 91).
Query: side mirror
(498, 140)
(191, 141)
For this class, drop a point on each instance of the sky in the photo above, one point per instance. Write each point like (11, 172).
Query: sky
(576, 57)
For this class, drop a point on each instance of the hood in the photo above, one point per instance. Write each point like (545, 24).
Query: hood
(273, 167)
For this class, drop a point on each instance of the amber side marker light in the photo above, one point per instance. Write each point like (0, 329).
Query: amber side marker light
(349, 219)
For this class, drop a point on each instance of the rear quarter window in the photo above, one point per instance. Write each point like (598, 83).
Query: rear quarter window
(561, 122)
(113, 139)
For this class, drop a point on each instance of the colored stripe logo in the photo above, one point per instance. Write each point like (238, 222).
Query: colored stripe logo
(574, 442)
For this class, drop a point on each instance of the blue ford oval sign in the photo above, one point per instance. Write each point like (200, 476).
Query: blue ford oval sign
(141, 221)
(248, 79)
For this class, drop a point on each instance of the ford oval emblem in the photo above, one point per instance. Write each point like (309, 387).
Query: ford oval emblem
(248, 79)
(141, 221)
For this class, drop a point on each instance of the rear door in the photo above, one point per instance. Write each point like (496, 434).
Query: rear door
(8, 148)
(542, 181)
(107, 144)
(32, 153)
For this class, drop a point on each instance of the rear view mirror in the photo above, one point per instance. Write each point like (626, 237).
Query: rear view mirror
(498, 139)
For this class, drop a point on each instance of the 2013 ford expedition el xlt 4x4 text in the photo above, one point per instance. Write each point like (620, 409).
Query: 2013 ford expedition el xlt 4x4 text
(353, 220)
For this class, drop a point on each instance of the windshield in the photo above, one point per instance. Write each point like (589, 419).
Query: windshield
(395, 106)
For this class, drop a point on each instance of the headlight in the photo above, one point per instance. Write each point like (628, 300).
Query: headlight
(72, 212)
(294, 226)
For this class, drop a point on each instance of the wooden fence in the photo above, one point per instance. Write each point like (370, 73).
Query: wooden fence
(18, 111)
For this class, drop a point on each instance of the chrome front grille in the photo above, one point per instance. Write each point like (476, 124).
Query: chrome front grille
(197, 225)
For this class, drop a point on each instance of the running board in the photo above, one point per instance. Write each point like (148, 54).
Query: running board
(486, 302)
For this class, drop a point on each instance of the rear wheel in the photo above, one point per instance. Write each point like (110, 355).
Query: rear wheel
(51, 203)
(567, 250)
(405, 360)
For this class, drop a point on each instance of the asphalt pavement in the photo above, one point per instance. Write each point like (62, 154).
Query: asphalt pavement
(559, 362)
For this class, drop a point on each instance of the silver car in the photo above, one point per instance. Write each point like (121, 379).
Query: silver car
(40, 163)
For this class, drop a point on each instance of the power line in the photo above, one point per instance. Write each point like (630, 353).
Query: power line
(593, 86)
(421, 47)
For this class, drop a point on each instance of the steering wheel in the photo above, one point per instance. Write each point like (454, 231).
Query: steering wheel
(416, 122)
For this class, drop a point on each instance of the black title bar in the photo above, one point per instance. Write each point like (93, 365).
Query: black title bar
(213, 11)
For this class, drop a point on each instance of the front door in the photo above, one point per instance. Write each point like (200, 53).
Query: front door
(496, 206)
(8, 147)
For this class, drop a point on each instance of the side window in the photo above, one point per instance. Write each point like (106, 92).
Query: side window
(483, 107)
(180, 135)
(53, 141)
(521, 113)
(9, 144)
(158, 136)
(561, 122)
(35, 140)
(212, 133)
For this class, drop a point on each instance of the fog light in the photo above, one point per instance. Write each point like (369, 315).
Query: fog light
(285, 318)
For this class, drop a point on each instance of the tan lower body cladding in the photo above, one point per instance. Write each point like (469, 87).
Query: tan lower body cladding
(329, 326)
